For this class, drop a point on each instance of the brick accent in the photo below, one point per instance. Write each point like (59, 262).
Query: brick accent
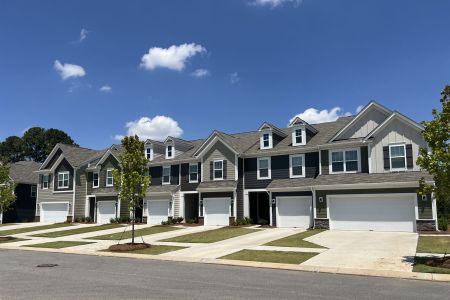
(144, 220)
(69, 219)
(426, 225)
(231, 220)
(201, 220)
(322, 223)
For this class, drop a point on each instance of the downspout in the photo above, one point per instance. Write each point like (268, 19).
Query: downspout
(313, 208)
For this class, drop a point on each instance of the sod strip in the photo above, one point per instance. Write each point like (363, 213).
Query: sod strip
(282, 257)
(78, 231)
(137, 233)
(34, 228)
(211, 236)
(58, 244)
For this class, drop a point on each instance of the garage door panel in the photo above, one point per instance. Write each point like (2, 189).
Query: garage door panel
(106, 210)
(294, 212)
(158, 211)
(54, 212)
(217, 211)
(384, 212)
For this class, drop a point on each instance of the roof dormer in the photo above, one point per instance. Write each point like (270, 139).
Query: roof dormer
(299, 131)
(269, 134)
(170, 148)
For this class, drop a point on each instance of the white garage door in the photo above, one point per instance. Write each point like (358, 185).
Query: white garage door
(217, 211)
(54, 212)
(158, 211)
(378, 212)
(106, 210)
(294, 211)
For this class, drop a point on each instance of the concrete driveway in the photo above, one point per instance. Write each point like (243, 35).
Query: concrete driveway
(392, 251)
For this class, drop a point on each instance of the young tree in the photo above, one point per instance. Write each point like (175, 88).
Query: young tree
(7, 195)
(131, 180)
(437, 161)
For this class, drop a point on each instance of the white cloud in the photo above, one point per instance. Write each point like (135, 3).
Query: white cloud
(275, 3)
(234, 77)
(314, 116)
(157, 128)
(68, 70)
(173, 58)
(83, 34)
(200, 73)
(106, 88)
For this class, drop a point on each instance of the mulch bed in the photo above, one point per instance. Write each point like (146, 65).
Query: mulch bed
(128, 247)
(6, 238)
(440, 262)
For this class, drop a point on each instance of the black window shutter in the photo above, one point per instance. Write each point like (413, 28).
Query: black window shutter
(199, 172)
(50, 180)
(224, 169)
(171, 175)
(387, 165)
(211, 170)
(409, 156)
(186, 171)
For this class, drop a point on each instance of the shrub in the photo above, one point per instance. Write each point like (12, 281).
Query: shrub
(443, 223)
(179, 220)
(192, 221)
(242, 221)
(263, 222)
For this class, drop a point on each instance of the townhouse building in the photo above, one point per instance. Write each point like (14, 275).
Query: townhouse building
(356, 173)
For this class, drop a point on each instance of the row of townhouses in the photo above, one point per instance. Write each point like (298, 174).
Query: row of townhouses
(356, 173)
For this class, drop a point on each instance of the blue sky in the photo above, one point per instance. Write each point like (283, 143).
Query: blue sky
(255, 61)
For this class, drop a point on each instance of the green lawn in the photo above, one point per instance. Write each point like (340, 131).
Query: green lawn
(13, 240)
(7, 224)
(138, 233)
(78, 230)
(34, 228)
(433, 244)
(296, 240)
(421, 267)
(153, 250)
(58, 244)
(282, 257)
(211, 236)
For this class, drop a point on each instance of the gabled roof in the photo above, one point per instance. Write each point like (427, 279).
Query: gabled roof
(24, 172)
(395, 116)
(76, 156)
(212, 139)
(274, 129)
(109, 152)
(298, 121)
(368, 107)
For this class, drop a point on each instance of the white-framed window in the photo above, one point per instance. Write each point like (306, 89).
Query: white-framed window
(63, 179)
(298, 136)
(345, 161)
(95, 181)
(149, 153)
(166, 175)
(109, 177)
(193, 172)
(264, 171)
(266, 140)
(33, 191)
(397, 157)
(45, 181)
(297, 166)
(169, 151)
(218, 169)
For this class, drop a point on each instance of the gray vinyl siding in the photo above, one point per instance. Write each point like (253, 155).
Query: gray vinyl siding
(109, 163)
(49, 196)
(324, 162)
(184, 181)
(63, 167)
(219, 152)
(368, 122)
(80, 193)
(395, 132)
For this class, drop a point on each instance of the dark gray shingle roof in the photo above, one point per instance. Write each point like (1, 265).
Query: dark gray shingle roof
(23, 172)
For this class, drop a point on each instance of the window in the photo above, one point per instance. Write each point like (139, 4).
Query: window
(45, 181)
(218, 169)
(397, 154)
(297, 167)
(166, 175)
(95, 180)
(266, 140)
(149, 153)
(345, 161)
(193, 172)
(33, 191)
(264, 168)
(298, 136)
(109, 178)
(63, 179)
(169, 151)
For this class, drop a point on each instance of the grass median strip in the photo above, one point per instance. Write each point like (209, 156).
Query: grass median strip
(137, 232)
(433, 244)
(34, 228)
(153, 250)
(78, 230)
(58, 244)
(282, 257)
(297, 240)
(211, 236)
(10, 239)
(421, 267)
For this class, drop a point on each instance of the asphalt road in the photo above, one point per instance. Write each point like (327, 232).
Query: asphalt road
(91, 277)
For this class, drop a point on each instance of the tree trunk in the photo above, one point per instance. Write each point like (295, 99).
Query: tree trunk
(132, 225)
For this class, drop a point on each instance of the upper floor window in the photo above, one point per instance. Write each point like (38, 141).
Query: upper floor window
(63, 179)
(45, 181)
(95, 180)
(264, 171)
(109, 177)
(166, 175)
(218, 169)
(266, 140)
(149, 153)
(33, 191)
(345, 161)
(298, 136)
(193, 172)
(397, 154)
(169, 151)
(297, 166)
